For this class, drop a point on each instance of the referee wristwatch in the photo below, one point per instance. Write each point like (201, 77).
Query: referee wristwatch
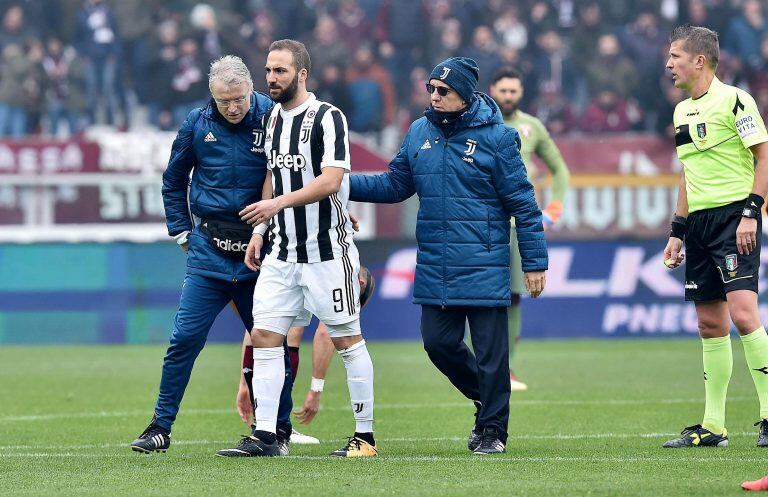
(752, 206)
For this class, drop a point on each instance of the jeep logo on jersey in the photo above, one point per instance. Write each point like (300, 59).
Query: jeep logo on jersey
(446, 70)
(471, 145)
(286, 161)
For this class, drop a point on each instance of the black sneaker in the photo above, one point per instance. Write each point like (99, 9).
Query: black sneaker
(356, 447)
(250, 446)
(476, 434)
(475, 437)
(154, 439)
(762, 436)
(696, 436)
(490, 443)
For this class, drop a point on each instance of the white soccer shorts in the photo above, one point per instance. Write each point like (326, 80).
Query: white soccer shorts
(329, 290)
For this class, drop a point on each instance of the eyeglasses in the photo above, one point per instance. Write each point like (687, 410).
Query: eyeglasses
(441, 90)
(225, 103)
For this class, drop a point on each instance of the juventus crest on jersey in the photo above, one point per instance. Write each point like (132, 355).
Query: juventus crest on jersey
(299, 144)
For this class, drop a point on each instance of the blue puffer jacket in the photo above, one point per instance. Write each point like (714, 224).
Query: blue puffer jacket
(228, 168)
(469, 184)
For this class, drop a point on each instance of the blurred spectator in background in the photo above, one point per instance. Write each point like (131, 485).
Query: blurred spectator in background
(332, 87)
(589, 27)
(644, 44)
(757, 75)
(744, 33)
(540, 19)
(510, 29)
(97, 41)
(203, 19)
(354, 27)
(484, 51)
(449, 40)
(162, 68)
(14, 30)
(554, 110)
(33, 85)
(553, 64)
(666, 108)
(134, 23)
(371, 91)
(400, 30)
(608, 112)
(327, 47)
(16, 69)
(64, 88)
(440, 17)
(189, 82)
(611, 68)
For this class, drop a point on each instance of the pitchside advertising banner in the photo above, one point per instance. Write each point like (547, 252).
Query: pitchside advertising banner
(128, 293)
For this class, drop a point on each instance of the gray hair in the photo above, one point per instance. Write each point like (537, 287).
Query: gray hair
(230, 70)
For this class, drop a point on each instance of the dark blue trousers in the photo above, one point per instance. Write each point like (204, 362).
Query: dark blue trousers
(482, 377)
(202, 299)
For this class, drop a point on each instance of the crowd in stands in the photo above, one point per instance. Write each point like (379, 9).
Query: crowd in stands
(592, 66)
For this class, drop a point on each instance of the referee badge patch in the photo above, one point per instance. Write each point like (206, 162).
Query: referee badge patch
(701, 130)
(730, 262)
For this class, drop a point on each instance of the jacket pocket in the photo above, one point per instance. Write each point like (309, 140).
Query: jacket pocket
(488, 246)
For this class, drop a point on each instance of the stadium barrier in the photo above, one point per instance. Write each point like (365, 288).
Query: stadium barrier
(128, 293)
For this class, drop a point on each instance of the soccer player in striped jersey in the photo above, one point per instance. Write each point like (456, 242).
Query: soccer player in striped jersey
(312, 263)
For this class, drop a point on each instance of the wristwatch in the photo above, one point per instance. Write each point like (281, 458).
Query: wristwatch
(750, 213)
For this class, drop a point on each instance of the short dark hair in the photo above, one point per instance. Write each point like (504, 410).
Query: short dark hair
(698, 40)
(300, 54)
(506, 72)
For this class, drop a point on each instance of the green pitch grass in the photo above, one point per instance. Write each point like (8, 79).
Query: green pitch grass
(592, 423)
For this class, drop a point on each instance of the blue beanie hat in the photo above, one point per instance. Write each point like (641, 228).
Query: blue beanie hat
(460, 73)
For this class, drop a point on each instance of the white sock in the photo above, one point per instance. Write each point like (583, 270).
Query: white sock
(268, 379)
(360, 382)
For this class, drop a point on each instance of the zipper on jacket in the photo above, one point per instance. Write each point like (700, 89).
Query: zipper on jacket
(488, 211)
(445, 230)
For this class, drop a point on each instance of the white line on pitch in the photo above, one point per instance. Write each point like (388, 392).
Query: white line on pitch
(557, 436)
(514, 403)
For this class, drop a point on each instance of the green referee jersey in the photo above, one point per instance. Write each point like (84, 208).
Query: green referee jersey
(713, 134)
(536, 140)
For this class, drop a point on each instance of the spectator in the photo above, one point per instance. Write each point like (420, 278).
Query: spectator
(645, 44)
(134, 22)
(354, 27)
(611, 68)
(400, 32)
(553, 110)
(327, 47)
(440, 16)
(757, 76)
(64, 88)
(203, 19)
(666, 109)
(608, 112)
(98, 43)
(162, 68)
(14, 29)
(16, 69)
(189, 82)
(744, 33)
(484, 51)
(589, 27)
(554, 65)
(372, 93)
(333, 87)
(450, 41)
(540, 19)
(511, 30)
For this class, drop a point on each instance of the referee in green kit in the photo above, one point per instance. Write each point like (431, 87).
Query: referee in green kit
(721, 141)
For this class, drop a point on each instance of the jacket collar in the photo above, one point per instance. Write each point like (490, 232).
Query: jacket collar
(482, 111)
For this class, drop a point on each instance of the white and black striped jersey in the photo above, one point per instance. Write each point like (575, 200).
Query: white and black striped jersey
(299, 143)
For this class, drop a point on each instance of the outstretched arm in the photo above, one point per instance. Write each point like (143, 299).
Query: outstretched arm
(322, 352)
(391, 187)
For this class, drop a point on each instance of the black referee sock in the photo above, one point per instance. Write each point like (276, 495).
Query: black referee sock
(367, 436)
